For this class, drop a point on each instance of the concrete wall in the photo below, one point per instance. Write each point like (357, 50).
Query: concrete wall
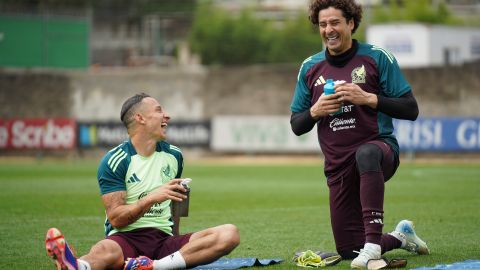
(35, 94)
(254, 90)
(447, 91)
(193, 94)
(99, 95)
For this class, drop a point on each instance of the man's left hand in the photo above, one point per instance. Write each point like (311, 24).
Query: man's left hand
(354, 94)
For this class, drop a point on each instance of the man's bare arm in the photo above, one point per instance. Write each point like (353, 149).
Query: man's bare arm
(119, 213)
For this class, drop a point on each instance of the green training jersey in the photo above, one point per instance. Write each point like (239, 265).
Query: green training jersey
(122, 169)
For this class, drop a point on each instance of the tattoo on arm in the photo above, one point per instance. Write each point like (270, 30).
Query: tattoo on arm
(119, 213)
(113, 200)
(133, 214)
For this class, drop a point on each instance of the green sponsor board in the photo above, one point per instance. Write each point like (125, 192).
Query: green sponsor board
(44, 42)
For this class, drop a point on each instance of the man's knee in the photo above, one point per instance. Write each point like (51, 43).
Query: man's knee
(228, 237)
(106, 252)
(369, 158)
(231, 235)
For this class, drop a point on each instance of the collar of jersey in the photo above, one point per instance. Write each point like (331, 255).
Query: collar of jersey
(342, 59)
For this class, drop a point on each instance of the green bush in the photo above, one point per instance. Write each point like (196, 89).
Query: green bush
(224, 39)
(414, 11)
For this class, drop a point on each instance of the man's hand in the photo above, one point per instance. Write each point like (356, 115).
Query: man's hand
(168, 191)
(353, 93)
(325, 105)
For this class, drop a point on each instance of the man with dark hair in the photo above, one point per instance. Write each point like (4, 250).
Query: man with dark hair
(129, 107)
(138, 180)
(355, 130)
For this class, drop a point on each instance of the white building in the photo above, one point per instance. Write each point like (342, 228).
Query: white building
(420, 45)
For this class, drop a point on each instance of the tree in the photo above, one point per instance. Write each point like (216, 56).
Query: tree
(222, 38)
(414, 11)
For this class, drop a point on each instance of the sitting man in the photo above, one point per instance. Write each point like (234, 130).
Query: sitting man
(138, 180)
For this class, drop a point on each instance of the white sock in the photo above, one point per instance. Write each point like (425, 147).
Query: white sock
(374, 248)
(172, 261)
(83, 265)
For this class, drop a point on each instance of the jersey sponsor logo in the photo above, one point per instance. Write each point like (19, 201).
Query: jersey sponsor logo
(133, 179)
(319, 81)
(359, 74)
(340, 124)
(347, 108)
(155, 210)
(143, 194)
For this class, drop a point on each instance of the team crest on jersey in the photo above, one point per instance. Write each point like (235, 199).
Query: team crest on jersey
(359, 74)
(167, 171)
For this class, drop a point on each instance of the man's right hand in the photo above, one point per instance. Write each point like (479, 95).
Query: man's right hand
(325, 105)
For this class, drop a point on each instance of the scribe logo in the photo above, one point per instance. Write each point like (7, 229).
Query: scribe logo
(38, 134)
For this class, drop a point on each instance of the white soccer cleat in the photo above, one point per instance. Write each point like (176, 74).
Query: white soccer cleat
(369, 252)
(405, 232)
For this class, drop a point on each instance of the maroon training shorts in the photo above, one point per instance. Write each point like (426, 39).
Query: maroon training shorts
(149, 242)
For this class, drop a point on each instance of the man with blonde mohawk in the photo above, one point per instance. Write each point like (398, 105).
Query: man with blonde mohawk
(138, 181)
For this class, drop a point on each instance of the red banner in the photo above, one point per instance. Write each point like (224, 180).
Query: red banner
(53, 133)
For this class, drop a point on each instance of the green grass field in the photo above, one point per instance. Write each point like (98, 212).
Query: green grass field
(279, 209)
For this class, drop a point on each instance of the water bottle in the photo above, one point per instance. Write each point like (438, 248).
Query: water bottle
(329, 89)
(180, 209)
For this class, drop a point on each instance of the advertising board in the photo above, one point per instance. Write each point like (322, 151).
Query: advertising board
(253, 134)
(439, 134)
(52, 133)
(182, 134)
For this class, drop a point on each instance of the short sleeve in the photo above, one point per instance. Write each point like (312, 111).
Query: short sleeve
(177, 153)
(112, 171)
(392, 81)
(302, 95)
